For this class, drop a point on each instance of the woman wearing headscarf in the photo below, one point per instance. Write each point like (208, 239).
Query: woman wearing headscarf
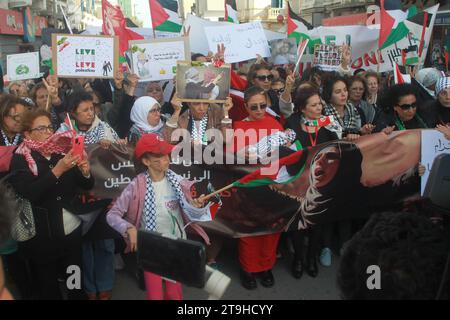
(146, 117)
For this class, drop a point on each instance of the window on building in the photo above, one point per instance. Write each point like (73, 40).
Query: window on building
(277, 3)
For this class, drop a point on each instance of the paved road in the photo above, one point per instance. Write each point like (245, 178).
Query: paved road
(286, 287)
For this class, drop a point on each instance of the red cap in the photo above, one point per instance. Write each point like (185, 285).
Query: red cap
(152, 143)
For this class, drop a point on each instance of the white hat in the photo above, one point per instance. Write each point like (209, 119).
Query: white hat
(428, 76)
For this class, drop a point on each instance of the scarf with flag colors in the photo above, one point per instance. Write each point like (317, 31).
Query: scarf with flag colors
(260, 177)
(114, 23)
(164, 15)
(231, 14)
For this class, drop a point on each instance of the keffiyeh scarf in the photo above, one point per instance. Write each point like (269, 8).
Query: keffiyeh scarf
(59, 143)
(270, 143)
(351, 117)
(6, 140)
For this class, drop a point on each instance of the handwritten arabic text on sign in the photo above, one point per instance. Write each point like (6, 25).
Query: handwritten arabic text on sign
(242, 41)
(433, 144)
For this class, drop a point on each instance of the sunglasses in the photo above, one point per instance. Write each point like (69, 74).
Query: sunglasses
(408, 106)
(265, 78)
(278, 91)
(16, 117)
(155, 110)
(255, 107)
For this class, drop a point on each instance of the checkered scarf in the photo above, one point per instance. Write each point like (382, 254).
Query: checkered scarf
(149, 210)
(351, 117)
(442, 84)
(58, 143)
(98, 132)
(272, 142)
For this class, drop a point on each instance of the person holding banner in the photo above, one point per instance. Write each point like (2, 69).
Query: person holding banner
(155, 201)
(305, 123)
(146, 116)
(335, 94)
(48, 175)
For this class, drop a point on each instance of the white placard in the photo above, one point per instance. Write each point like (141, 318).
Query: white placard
(433, 144)
(242, 41)
(23, 66)
(154, 60)
(77, 56)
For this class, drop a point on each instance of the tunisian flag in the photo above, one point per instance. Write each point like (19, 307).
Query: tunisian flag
(114, 24)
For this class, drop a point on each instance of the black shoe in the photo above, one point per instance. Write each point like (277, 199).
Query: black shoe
(311, 267)
(267, 279)
(297, 268)
(248, 280)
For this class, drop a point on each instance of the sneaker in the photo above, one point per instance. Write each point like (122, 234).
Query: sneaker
(325, 257)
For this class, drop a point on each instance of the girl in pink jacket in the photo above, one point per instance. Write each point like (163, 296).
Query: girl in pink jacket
(154, 201)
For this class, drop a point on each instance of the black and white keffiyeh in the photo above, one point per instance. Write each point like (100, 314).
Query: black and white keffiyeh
(351, 121)
(198, 135)
(98, 133)
(15, 141)
(270, 143)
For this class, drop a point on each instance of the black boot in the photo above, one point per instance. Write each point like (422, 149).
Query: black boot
(311, 266)
(267, 279)
(297, 267)
(248, 280)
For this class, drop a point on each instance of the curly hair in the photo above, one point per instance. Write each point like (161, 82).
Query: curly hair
(329, 85)
(409, 250)
(395, 93)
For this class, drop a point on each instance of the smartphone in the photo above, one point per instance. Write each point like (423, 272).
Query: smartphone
(78, 146)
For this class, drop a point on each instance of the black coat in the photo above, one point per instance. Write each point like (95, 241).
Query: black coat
(49, 195)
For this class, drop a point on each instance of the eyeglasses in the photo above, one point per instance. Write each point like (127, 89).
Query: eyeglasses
(255, 107)
(42, 129)
(408, 106)
(265, 78)
(155, 110)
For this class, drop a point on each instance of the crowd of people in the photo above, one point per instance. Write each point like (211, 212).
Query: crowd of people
(47, 173)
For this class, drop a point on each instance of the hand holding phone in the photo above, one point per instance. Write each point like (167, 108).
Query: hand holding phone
(78, 147)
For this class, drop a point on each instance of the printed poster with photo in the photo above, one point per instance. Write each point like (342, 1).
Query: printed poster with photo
(23, 66)
(83, 56)
(202, 82)
(283, 51)
(156, 59)
(327, 56)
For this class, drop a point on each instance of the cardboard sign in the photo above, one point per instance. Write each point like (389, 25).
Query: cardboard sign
(197, 82)
(433, 144)
(283, 51)
(80, 56)
(327, 56)
(242, 41)
(156, 59)
(23, 66)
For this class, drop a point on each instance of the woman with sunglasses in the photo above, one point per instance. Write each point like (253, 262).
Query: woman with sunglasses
(261, 76)
(50, 180)
(146, 117)
(11, 110)
(257, 254)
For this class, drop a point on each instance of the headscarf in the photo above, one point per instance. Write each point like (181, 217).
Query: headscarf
(139, 113)
(442, 84)
(57, 143)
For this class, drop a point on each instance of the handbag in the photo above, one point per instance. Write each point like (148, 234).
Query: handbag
(23, 226)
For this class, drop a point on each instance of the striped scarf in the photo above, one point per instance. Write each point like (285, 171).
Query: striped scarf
(59, 143)
(351, 120)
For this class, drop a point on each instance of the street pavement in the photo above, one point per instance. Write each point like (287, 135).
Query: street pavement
(286, 287)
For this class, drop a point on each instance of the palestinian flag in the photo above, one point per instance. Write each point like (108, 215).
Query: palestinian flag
(322, 122)
(410, 56)
(391, 15)
(164, 15)
(260, 178)
(399, 77)
(231, 14)
(299, 28)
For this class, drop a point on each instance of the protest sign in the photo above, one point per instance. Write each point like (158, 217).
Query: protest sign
(433, 144)
(82, 56)
(197, 82)
(327, 56)
(23, 66)
(242, 41)
(157, 59)
(283, 51)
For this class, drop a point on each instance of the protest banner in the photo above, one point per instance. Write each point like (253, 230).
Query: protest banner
(242, 41)
(156, 59)
(82, 56)
(433, 144)
(197, 82)
(283, 51)
(23, 66)
(327, 56)
(363, 177)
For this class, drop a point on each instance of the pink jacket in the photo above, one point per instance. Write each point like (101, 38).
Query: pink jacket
(127, 210)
